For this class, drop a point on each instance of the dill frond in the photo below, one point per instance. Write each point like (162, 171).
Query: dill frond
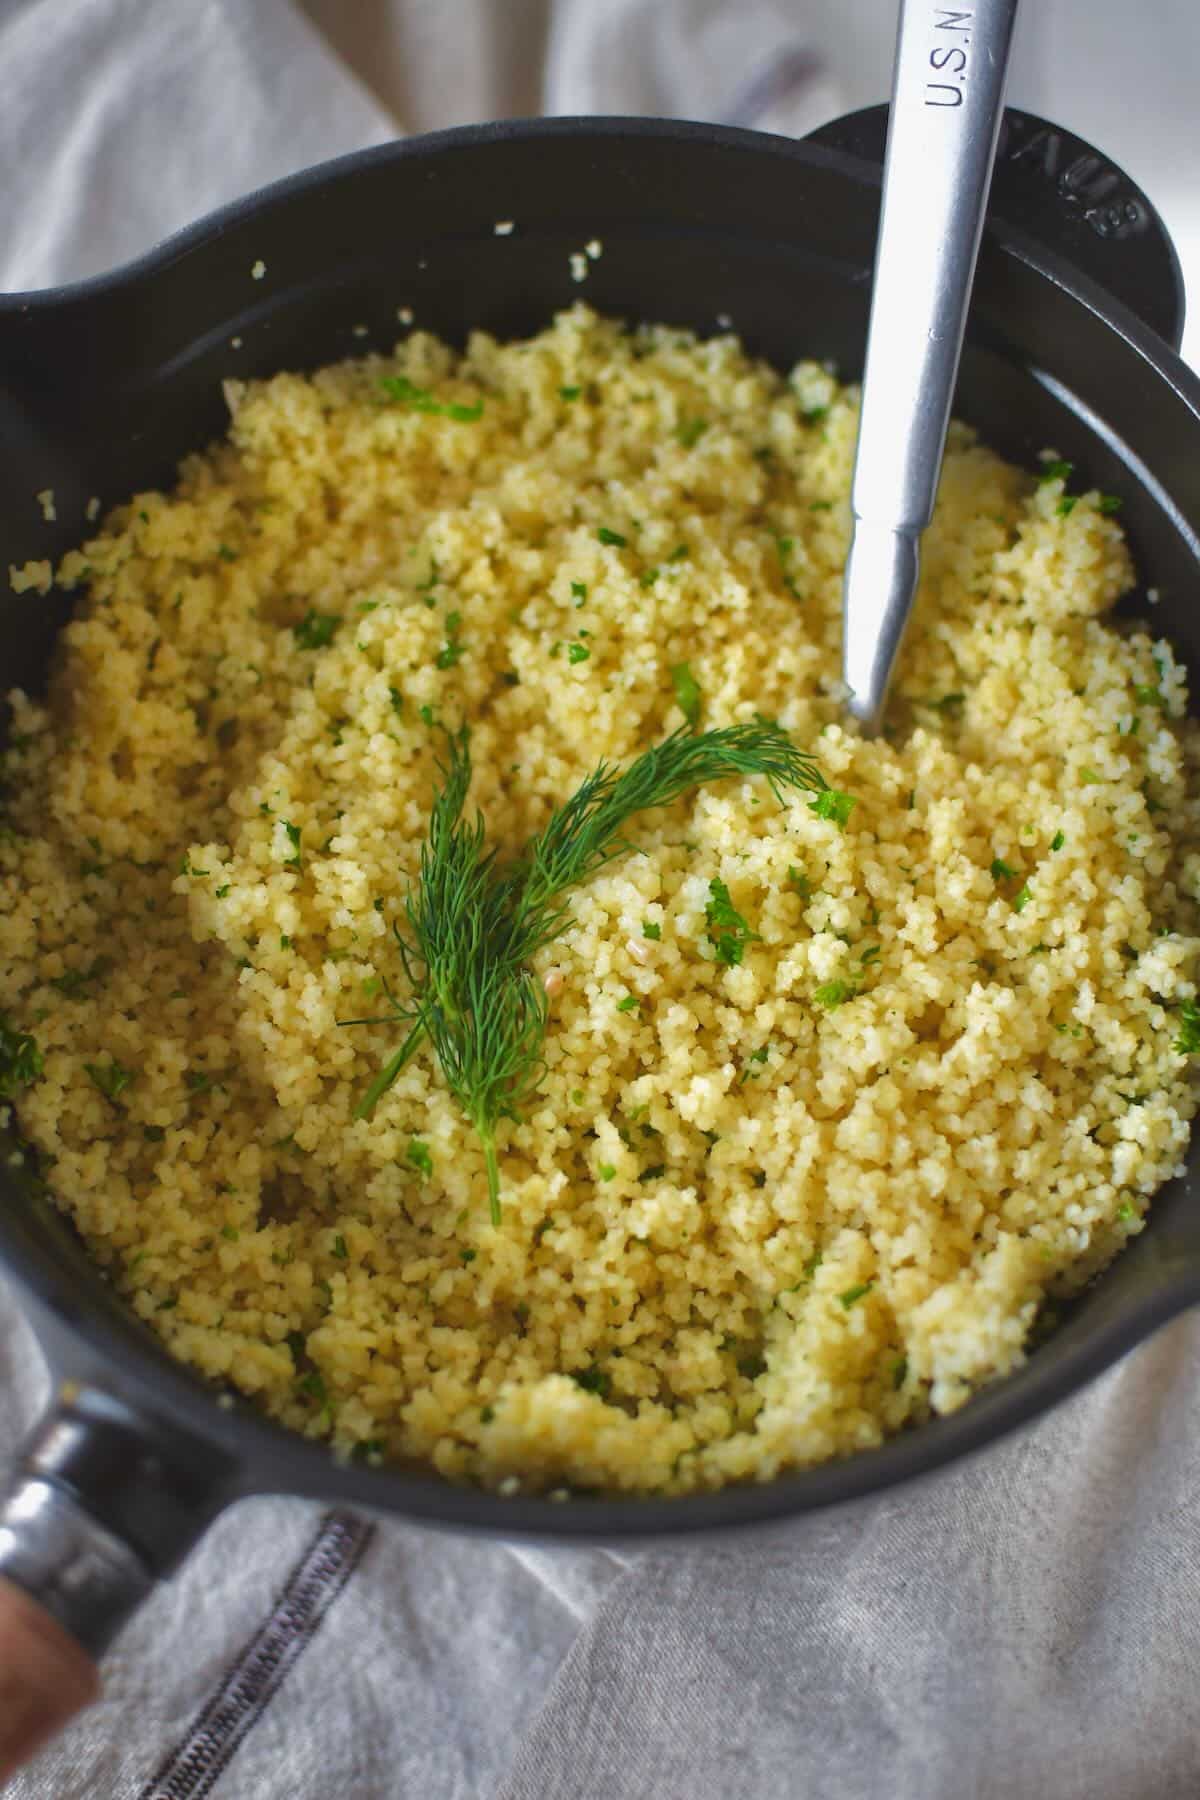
(472, 926)
(587, 832)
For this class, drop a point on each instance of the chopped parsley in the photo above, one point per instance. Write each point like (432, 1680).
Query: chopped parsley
(1147, 695)
(899, 1372)
(728, 932)
(20, 1060)
(110, 1078)
(1001, 870)
(605, 536)
(832, 994)
(1109, 503)
(397, 700)
(592, 1381)
(690, 431)
(579, 592)
(1056, 471)
(315, 630)
(606, 1171)
(651, 930)
(688, 693)
(1058, 840)
(783, 549)
(1089, 778)
(339, 1247)
(1066, 506)
(1188, 1041)
(628, 1004)
(569, 393)
(453, 650)
(852, 1295)
(1021, 900)
(800, 884)
(751, 1074)
(577, 653)
(830, 804)
(293, 838)
(419, 1157)
(73, 983)
(418, 399)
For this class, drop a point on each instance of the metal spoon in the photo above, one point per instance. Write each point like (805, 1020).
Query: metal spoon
(947, 102)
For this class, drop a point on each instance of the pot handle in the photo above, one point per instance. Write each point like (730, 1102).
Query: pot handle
(104, 1501)
(1070, 198)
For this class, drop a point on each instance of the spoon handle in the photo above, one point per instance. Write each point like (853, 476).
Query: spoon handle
(947, 102)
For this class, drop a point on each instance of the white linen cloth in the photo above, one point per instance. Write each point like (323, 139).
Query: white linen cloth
(1027, 1624)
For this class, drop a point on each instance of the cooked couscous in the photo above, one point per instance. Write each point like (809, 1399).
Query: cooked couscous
(786, 1185)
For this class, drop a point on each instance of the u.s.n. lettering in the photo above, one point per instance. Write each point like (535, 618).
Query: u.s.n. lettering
(949, 61)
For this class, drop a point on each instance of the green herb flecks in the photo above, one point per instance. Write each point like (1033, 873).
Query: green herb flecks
(20, 1060)
(783, 550)
(76, 983)
(830, 804)
(418, 399)
(728, 932)
(1188, 1041)
(592, 1381)
(315, 630)
(852, 1295)
(472, 925)
(688, 693)
(453, 650)
(110, 1078)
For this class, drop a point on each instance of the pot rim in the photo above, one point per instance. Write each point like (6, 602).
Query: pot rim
(268, 1457)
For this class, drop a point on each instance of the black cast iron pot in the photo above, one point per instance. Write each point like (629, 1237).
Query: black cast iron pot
(104, 385)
